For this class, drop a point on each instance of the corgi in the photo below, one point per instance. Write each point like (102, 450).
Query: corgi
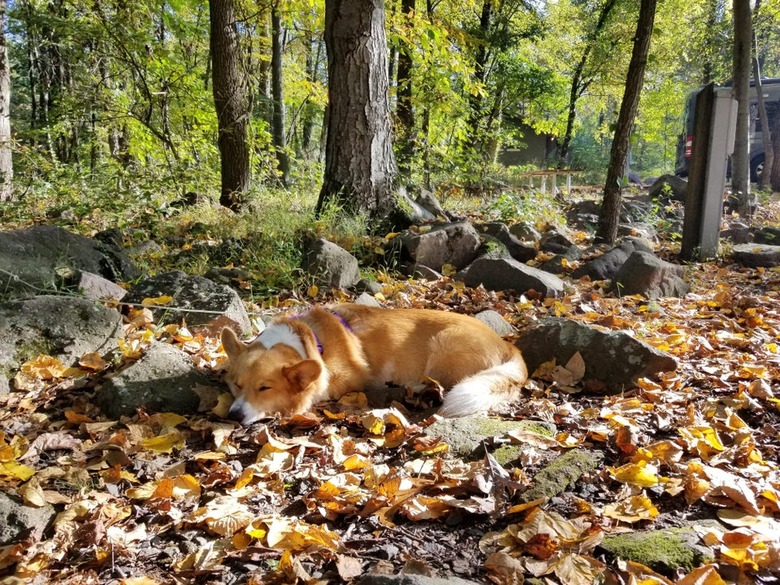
(325, 353)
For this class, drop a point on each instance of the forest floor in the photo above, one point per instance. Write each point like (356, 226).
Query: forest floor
(347, 490)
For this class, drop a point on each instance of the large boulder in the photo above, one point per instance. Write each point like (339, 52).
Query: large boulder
(61, 327)
(164, 379)
(453, 243)
(197, 300)
(645, 274)
(49, 257)
(330, 264)
(517, 249)
(507, 273)
(668, 187)
(755, 255)
(605, 267)
(613, 359)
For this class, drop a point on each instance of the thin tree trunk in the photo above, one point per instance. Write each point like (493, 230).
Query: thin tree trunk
(578, 87)
(6, 161)
(277, 89)
(610, 207)
(404, 112)
(231, 102)
(740, 160)
(766, 131)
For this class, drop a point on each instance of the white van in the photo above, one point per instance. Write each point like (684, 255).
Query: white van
(771, 91)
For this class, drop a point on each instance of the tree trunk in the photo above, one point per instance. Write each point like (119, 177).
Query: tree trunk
(360, 168)
(579, 85)
(277, 89)
(6, 162)
(231, 102)
(740, 160)
(610, 207)
(476, 135)
(404, 113)
(766, 131)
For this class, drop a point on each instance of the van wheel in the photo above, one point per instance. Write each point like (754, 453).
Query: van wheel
(756, 168)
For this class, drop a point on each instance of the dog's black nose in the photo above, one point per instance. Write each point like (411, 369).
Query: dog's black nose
(236, 414)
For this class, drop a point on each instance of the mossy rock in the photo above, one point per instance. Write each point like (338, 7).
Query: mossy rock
(664, 551)
(562, 473)
(466, 435)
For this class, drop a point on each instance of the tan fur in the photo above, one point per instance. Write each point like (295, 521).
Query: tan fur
(401, 346)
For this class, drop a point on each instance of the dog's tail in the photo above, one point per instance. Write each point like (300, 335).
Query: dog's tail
(486, 389)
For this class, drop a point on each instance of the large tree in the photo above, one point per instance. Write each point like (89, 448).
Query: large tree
(6, 166)
(360, 168)
(232, 103)
(740, 160)
(610, 206)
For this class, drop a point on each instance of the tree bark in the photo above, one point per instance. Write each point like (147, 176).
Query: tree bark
(766, 131)
(404, 112)
(610, 207)
(277, 89)
(6, 161)
(360, 167)
(740, 160)
(579, 85)
(231, 102)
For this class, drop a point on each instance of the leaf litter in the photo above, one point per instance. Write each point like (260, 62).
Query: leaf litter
(347, 490)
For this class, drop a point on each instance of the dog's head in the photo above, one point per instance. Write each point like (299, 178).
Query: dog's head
(270, 374)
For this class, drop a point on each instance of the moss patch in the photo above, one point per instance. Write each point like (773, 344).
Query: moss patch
(664, 550)
(465, 436)
(562, 473)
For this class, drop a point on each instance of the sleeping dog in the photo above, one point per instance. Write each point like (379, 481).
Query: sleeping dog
(326, 353)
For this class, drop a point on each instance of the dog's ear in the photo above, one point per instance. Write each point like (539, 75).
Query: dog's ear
(302, 374)
(231, 344)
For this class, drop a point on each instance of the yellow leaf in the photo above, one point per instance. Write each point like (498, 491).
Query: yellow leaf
(633, 509)
(640, 473)
(164, 443)
(313, 291)
(93, 361)
(167, 419)
(16, 470)
(373, 424)
(156, 301)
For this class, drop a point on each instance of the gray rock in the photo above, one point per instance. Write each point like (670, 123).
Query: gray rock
(738, 234)
(62, 327)
(164, 379)
(146, 248)
(669, 187)
(466, 435)
(330, 265)
(562, 473)
(525, 232)
(5, 385)
(94, 286)
(369, 286)
(556, 241)
(496, 322)
(48, 257)
(197, 300)
(768, 235)
(639, 230)
(665, 551)
(755, 255)
(613, 359)
(455, 243)
(645, 274)
(506, 273)
(555, 264)
(411, 580)
(428, 201)
(606, 266)
(419, 271)
(19, 521)
(516, 249)
(410, 212)
(367, 300)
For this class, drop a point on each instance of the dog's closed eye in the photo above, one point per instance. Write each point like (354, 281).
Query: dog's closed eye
(263, 388)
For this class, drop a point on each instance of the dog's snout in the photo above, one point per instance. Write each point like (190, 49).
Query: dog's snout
(236, 414)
